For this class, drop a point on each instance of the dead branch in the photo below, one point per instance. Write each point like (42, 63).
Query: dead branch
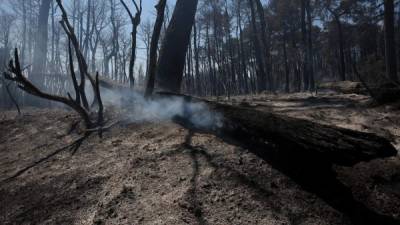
(83, 68)
(73, 76)
(73, 147)
(79, 104)
(135, 20)
(15, 74)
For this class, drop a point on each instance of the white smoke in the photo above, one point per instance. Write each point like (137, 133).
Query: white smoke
(140, 109)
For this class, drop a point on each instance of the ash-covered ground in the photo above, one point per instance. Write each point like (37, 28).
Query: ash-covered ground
(161, 173)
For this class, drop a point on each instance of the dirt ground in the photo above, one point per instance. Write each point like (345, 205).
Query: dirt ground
(161, 173)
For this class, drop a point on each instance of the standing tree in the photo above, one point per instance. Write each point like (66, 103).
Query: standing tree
(261, 75)
(135, 20)
(266, 45)
(390, 47)
(152, 67)
(310, 50)
(40, 52)
(174, 47)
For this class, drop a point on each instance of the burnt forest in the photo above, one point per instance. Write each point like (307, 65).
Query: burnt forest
(199, 112)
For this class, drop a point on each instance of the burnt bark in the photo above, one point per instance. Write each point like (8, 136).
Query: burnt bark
(390, 46)
(331, 144)
(304, 151)
(152, 66)
(40, 53)
(135, 20)
(266, 44)
(261, 75)
(174, 47)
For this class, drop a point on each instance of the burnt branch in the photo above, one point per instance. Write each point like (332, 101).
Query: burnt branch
(135, 20)
(73, 76)
(100, 116)
(83, 67)
(15, 74)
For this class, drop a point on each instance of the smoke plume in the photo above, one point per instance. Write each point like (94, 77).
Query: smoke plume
(141, 109)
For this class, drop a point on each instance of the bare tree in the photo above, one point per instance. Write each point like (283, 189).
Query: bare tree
(146, 29)
(15, 74)
(99, 23)
(83, 67)
(152, 67)
(135, 20)
(40, 53)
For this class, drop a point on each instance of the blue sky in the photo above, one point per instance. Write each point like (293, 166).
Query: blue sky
(148, 7)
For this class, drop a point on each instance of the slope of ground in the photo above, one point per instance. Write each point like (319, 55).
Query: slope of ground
(161, 173)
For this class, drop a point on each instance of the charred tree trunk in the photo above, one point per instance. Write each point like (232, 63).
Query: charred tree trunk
(303, 150)
(196, 59)
(266, 44)
(285, 58)
(173, 51)
(242, 54)
(40, 52)
(135, 20)
(152, 67)
(261, 75)
(341, 50)
(304, 45)
(331, 144)
(390, 47)
(310, 51)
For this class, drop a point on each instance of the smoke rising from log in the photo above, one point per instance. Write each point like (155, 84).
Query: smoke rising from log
(162, 109)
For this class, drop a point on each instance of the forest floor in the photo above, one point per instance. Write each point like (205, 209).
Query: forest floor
(162, 173)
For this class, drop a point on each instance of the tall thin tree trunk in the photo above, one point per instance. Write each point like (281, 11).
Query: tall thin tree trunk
(310, 57)
(196, 59)
(341, 50)
(24, 32)
(261, 75)
(242, 52)
(287, 84)
(390, 46)
(266, 45)
(40, 53)
(304, 45)
(173, 51)
(152, 67)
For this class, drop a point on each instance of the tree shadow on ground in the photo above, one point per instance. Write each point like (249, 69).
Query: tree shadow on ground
(55, 202)
(192, 193)
(312, 173)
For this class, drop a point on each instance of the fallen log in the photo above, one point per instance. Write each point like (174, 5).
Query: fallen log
(337, 145)
(303, 150)
(298, 136)
(381, 93)
(345, 87)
